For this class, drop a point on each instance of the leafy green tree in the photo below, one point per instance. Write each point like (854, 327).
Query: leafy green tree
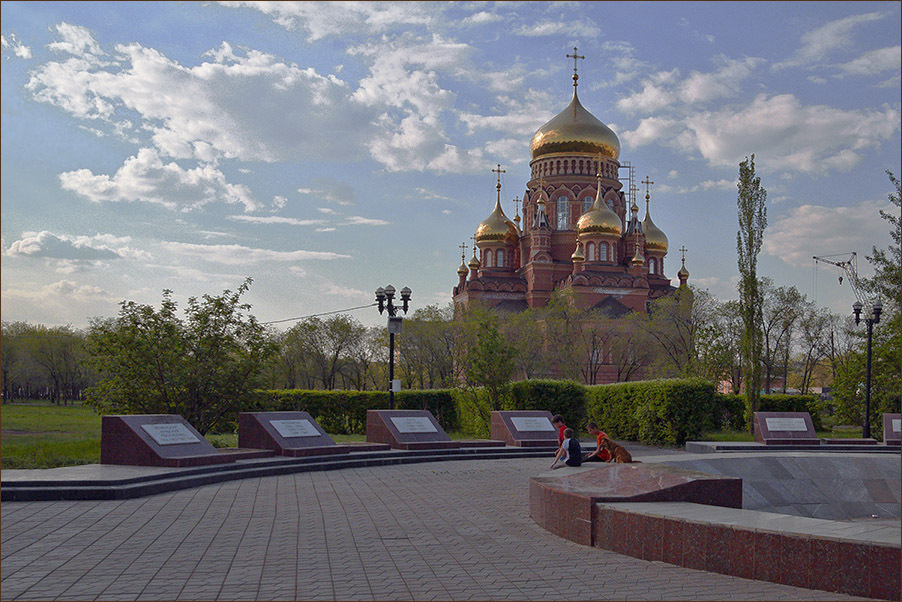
(752, 213)
(490, 361)
(887, 279)
(202, 367)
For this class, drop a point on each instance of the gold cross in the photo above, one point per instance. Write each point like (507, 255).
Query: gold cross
(473, 238)
(683, 250)
(499, 171)
(647, 183)
(517, 205)
(575, 56)
(463, 251)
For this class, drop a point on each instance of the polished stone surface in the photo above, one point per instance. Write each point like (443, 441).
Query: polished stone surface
(787, 428)
(524, 428)
(152, 440)
(382, 426)
(457, 530)
(268, 430)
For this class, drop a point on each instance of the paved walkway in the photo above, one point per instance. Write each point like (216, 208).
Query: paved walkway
(456, 530)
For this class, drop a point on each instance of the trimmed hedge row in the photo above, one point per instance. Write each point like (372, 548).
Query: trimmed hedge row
(667, 411)
(732, 408)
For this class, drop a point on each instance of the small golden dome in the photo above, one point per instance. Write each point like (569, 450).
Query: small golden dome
(599, 219)
(655, 239)
(683, 274)
(497, 227)
(474, 261)
(578, 255)
(575, 130)
(637, 258)
(462, 270)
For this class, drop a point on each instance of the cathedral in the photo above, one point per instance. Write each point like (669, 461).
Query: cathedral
(579, 229)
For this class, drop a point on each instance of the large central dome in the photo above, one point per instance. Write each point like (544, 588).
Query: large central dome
(575, 130)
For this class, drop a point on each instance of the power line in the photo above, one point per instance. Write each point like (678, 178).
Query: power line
(337, 311)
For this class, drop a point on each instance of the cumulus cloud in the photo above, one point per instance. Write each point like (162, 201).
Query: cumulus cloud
(146, 178)
(356, 220)
(701, 186)
(241, 104)
(584, 27)
(333, 191)
(77, 41)
(15, 46)
(818, 43)
(323, 19)
(802, 232)
(45, 244)
(787, 135)
(480, 18)
(874, 62)
(241, 255)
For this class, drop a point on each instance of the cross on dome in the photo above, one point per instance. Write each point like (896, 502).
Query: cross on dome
(575, 56)
(647, 181)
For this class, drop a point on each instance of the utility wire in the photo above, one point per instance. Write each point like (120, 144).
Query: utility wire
(326, 313)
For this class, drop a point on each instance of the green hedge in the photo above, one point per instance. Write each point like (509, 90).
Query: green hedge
(563, 397)
(474, 410)
(344, 412)
(667, 411)
(732, 408)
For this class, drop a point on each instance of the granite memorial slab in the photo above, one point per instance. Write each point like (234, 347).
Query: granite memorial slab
(784, 428)
(524, 428)
(286, 433)
(156, 440)
(407, 429)
(892, 429)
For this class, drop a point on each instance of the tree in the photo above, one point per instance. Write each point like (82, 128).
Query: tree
(887, 279)
(752, 213)
(323, 347)
(783, 307)
(490, 361)
(202, 367)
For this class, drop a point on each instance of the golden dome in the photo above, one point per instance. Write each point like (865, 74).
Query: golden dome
(474, 262)
(575, 130)
(599, 219)
(496, 227)
(578, 254)
(655, 239)
(683, 274)
(462, 270)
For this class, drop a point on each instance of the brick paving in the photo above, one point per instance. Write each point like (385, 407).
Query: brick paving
(434, 531)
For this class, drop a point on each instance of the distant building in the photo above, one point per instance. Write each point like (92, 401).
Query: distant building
(577, 230)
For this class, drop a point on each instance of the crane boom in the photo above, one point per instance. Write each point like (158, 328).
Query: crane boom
(850, 268)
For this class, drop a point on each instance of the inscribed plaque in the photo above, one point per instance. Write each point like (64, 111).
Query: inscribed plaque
(170, 433)
(532, 423)
(295, 428)
(897, 425)
(413, 425)
(786, 424)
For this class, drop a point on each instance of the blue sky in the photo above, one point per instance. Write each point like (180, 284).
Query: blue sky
(328, 149)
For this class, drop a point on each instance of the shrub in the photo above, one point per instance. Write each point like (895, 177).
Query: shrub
(474, 408)
(563, 397)
(667, 411)
(794, 403)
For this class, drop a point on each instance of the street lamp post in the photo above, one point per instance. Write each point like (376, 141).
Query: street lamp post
(870, 321)
(385, 297)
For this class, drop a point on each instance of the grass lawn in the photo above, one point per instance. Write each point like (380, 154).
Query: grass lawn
(43, 435)
(846, 433)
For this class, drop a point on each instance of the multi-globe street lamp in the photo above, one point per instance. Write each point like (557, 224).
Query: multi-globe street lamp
(385, 298)
(874, 318)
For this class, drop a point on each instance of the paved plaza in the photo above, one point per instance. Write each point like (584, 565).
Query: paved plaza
(456, 530)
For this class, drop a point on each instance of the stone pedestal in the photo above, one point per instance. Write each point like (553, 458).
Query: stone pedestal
(892, 429)
(156, 440)
(286, 433)
(524, 428)
(784, 428)
(407, 429)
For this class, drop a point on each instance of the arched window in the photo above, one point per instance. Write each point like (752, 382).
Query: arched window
(590, 251)
(587, 203)
(563, 213)
(499, 258)
(652, 265)
(488, 258)
(613, 252)
(603, 252)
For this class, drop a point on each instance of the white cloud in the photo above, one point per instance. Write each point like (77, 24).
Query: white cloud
(324, 19)
(246, 104)
(701, 186)
(480, 18)
(583, 28)
(818, 43)
(426, 194)
(146, 178)
(874, 62)
(279, 202)
(809, 230)
(326, 210)
(14, 45)
(45, 244)
(77, 41)
(325, 229)
(785, 135)
(356, 220)
(275, 219)
(333, 191)
(241, 255)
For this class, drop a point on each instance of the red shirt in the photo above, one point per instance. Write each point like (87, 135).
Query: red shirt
(604, 454)
(560, 434)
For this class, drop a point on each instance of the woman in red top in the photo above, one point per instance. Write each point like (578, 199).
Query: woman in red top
(558, 421)
(600, 454)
